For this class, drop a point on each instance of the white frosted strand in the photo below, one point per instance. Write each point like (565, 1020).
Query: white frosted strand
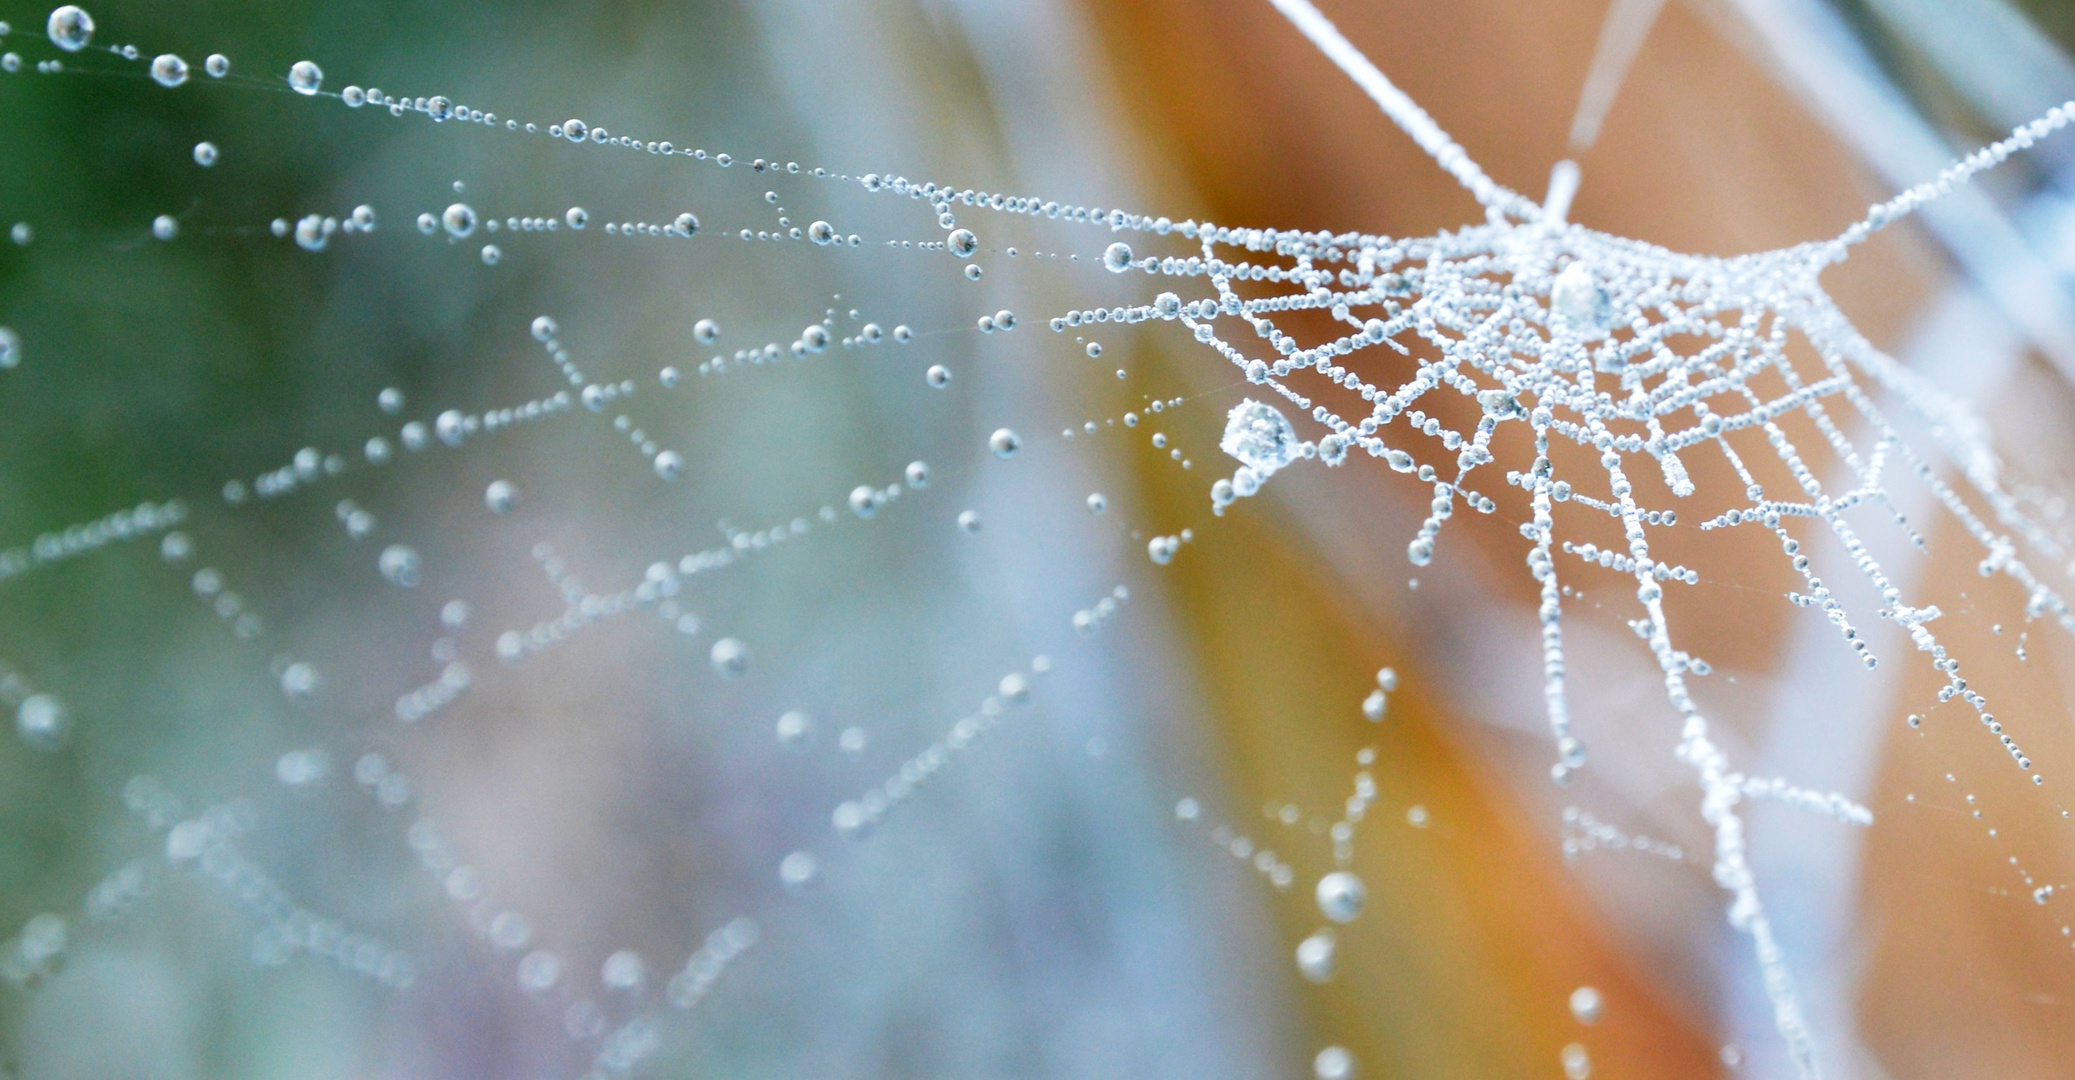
(1829, 804)
(1269, 866)
(1880, 215)
(1403, 111)
(664, 579)
(852, 817)
(75, 540)
(1621, 35)
(1720, 793)
(1584, 834)
(206, 845)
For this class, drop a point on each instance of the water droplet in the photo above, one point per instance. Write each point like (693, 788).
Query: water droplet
(669, 464)
(1579, 299)
(539, 970)
(938, 375)
(623, 970)
(70, 28)
(795, 730)
(1117, 258)
(968, 521)
(165, 227)
(305, 78)
(730, 657)
(311, 233)
(1004, 443)
(205, 154)
(459, 220)
(1341, 896)
(400, 565)
(492, 253)
(1586, 1005)
(706, 331)
(439, 108)
(577, 217)
(1334, 1063)
(903, 334)
(687, 225)
(390, 400)
(299, 680)
(1577, 1064)
(962, 243)
(1259, 437)
(42, 721)
(1094, 350)
(168, 70)
(918, 475)
(10, 348)
(973, 272)
(798, 870)
(1098, 502)
(1315, 957)
(500, 496)
(821, 232)
(217, 65)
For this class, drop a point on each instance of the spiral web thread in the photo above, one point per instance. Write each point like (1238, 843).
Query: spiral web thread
(1573, 333)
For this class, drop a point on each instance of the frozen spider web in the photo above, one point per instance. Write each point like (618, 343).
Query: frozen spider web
(1627, 350)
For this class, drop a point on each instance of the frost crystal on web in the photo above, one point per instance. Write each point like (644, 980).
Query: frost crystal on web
(1260, 438)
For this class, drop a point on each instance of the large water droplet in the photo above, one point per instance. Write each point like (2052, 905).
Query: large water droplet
(798, 870)
(1341, 896)
(1315, 957)
(795, 730)
(1259, 437)
(963, 243)
(70, 28)
(1117, 258)
(459, 220)
(305, 78)
(1004, 443)
(730, 657)
(400, 565)
(42, 722)
(1334, 1063)
(168, 70)
(1587, 1005)
(1581, 302)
